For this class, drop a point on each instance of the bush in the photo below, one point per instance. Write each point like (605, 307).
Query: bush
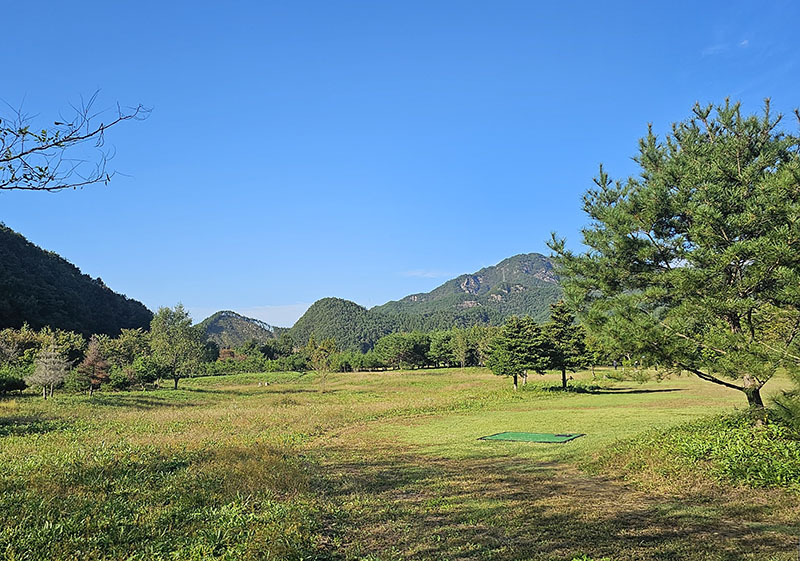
(121, 378)
(11, 380)
(738, 448)
(786, 406)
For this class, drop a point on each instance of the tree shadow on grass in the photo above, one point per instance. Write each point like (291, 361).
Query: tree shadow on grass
(260, 390)
(395, 504)
(23, 425)
(138, 401)
(634, 390)
(594, 389)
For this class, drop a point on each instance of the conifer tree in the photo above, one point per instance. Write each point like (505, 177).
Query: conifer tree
(695, 262)
(50, 370)
(567, 349)
(94, 367)
(519, 346)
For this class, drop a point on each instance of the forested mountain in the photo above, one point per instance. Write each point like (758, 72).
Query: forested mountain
(229, 329)
(520, 285)
(353, 326)
(523, 285)
(41, 288)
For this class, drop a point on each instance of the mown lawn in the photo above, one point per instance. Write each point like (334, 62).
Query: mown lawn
(379, 466)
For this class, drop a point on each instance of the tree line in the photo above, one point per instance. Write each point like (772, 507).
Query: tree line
(173, 349)
(52, 358)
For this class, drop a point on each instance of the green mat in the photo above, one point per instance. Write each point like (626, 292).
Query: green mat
(531, 437)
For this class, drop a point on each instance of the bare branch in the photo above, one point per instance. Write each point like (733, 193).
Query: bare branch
(48, 159)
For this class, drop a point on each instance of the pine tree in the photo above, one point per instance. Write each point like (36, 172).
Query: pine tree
(518, 347)
(695, 261)
(567, 349)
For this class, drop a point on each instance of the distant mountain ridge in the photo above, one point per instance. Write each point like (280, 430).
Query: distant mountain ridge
(229, 329)
(524, 284)
(41, 288)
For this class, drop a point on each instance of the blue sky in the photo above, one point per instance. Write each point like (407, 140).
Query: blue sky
(365, 150)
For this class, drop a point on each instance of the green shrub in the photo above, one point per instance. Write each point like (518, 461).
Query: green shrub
(735, 448)
(11, 380)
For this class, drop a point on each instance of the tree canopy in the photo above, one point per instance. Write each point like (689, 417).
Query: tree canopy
(177, 346)
(695, 262)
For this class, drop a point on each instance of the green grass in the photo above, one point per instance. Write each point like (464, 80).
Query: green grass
(379, 466)
(736, 449)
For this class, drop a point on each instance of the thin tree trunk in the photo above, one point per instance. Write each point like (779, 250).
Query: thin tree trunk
(44, 392)
(525, 378)
(754, 398)
(752, 389)
(176, 382)
(564, 378)
(515, 382)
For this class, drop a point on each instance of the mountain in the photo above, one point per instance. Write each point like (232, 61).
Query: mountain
(41, 288)
(353, 326)
(229, 329)
(520, 285)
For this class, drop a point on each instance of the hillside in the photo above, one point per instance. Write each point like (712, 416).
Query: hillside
(520, 285)
(43, 289)
(353, 326)
(229, 329)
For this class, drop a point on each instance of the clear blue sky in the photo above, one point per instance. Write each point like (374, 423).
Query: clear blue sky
(365, 150)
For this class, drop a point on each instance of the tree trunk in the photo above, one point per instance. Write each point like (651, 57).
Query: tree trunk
(594, 376)
(525, 378)
(564, 378)
(52, 387)
(515, 382)
(754, 397)
(44, 392)
(91, 390)
(176, 382)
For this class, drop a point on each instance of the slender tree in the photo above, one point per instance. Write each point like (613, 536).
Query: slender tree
(50, 370)
(94, 367)
(695, 262)
(320, 356)
(567, 347)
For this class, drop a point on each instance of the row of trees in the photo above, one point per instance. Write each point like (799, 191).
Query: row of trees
(48, 358)
(523, 345)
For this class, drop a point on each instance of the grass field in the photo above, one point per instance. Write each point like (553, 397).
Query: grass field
(380, 466)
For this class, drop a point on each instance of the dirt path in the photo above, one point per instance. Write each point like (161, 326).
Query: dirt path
(391, 501)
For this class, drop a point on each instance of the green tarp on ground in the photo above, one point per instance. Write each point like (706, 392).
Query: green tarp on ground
(532, 437)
